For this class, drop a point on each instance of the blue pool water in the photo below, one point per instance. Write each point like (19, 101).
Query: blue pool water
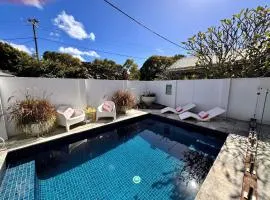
(145, 160)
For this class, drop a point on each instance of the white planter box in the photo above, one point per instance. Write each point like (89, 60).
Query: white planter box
(148, 100)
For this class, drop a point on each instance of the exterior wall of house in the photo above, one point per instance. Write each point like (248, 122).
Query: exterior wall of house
(237, 96)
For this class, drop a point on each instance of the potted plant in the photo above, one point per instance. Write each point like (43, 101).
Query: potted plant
(148, 98)
(32, 115)
(90, 113)
(123, 100)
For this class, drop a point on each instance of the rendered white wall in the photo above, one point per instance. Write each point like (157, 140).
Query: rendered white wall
(58, 91)
(137, 88)
(206, 94)
(159, 88)
(99, 90)
(237, 96)
(243, 97)
(3, 130)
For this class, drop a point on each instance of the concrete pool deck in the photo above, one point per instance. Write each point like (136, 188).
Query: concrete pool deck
(224, 180)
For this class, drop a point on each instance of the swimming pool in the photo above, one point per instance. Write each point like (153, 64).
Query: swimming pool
(147, 159)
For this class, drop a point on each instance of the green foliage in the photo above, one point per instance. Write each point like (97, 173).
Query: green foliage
(12, 59)
(105, 69)
(155, 65)
(134, 73)
(132, 69)
(59, 65)
(238, 47)
(65, 59)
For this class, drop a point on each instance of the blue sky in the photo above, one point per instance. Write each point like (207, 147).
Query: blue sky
(88, 29)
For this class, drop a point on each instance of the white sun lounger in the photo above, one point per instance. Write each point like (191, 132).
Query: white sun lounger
(185, 108)
(212, 113)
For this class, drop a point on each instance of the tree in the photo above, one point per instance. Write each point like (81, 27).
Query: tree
(12, 59)
(132, 69)
(238, 47)
(65, 59)
(105, 69)
(134, 73)
(155, 65)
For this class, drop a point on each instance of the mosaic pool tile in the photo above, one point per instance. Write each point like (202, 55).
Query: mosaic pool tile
(19, 182)
(110, 176)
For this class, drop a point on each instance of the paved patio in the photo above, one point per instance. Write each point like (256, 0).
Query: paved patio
(224, 180)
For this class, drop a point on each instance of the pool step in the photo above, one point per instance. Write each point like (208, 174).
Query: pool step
(19, 182)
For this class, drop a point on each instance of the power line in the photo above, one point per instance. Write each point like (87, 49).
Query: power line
(27, 41)
(90, 49)
(142, 25)
(19, 38)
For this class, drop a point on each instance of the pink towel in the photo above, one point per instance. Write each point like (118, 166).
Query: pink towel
(179, 109)
(203, 115)
(68, 113)
(107, 106)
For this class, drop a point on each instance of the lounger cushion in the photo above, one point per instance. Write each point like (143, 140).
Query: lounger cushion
(203, 115)
(179, 109)
(68, 113)
(107, 106)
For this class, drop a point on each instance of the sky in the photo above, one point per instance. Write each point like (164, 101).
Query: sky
(89, 29)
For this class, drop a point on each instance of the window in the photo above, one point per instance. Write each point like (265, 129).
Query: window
(169, 89)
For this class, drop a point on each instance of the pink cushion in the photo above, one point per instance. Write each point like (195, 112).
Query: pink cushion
(203, 115)
(107, 106)
(68, 113)
(179, 109)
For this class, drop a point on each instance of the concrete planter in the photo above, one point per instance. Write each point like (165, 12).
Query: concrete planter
(38, 128)
(148, 100)
(122, 109)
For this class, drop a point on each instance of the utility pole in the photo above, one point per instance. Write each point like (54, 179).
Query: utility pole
(34, 23)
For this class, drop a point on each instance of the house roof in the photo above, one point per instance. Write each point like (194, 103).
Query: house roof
(184, 63)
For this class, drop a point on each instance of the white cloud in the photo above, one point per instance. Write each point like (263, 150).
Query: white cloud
(79, 57)
(54, 34)
(35, 3)
(159, 50)
(72, 27)
(20, 47)
(78, 53)
(92, 36)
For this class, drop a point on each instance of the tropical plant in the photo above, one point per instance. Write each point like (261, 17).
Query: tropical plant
(123, 100)
(238, 47)
(31, 113)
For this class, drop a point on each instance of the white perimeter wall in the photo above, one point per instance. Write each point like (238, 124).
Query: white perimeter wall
(237, 96)
(243, 98)
(159, 88)
(58, 91)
